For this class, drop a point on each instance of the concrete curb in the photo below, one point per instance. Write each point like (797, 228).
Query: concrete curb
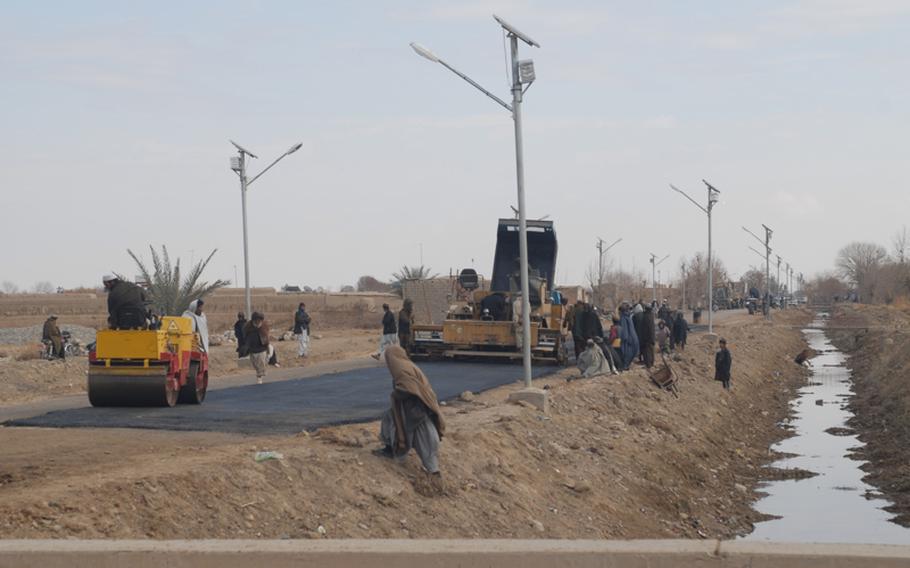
(444, 554)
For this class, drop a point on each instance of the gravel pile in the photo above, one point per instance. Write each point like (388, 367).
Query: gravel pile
(19, 335)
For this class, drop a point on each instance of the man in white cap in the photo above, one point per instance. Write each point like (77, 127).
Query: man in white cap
(200, 323)
(125, 304)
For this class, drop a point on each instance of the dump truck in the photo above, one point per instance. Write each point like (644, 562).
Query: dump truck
(469, 333)
(148, 367)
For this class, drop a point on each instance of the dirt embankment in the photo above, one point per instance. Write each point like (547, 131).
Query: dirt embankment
(615, 458)
(877, 338)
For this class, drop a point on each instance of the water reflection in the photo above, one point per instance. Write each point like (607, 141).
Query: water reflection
(832, 506)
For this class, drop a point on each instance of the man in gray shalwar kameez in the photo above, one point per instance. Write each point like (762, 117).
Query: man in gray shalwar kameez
(415, 419)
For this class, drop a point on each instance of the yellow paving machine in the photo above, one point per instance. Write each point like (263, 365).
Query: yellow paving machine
(484, 323)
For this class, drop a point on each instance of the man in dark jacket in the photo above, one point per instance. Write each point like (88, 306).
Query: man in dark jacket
(496, 303)
(52, 334)
(389, 332)
(256, 338)
(302, 330)
(239, 327)
(126, 307)
(646, 337)
(405, 320)
(723, 363)
(680, 331)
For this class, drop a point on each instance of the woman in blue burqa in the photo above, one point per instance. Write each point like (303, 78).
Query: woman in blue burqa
(629, 338)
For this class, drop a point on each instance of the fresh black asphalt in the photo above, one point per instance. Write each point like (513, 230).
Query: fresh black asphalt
(288, 407)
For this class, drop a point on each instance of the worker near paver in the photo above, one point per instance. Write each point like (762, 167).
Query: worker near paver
(256, 337)
(680, 331)
(646, 337)
(628, 337)
(302, 330)
(573, 327)
(125, 304)
(591, 361)
(200, 323)
(239, 326)
(415, 419)
(723, 363)
(52, 333)
(615, 343)
(496, 303)
(587, 326)
(389, 332)
(638, 314)
(663, 337)
(607, 351)
(405, 320)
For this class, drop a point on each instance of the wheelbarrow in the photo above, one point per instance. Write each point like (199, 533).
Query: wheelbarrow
(664, 377)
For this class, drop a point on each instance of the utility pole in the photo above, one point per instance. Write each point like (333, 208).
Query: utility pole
(766, 302)
(683, 271)
(654, 264)
(238, 164)
(777, 287)
(523, 76)
(713, 198)
(600, 264)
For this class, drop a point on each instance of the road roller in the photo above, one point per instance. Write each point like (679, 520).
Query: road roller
(148, 367)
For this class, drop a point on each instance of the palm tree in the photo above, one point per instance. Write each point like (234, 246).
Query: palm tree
(170, 295)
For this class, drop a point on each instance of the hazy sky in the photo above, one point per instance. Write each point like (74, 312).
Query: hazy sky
(116, 118)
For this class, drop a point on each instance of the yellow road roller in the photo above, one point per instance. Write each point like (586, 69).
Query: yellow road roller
(153, 367)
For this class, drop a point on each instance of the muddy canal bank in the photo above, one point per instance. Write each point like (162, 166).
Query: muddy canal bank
(877, 338)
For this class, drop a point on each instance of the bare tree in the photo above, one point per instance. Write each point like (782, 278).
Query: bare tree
(9, 287)
(901, 242)
(43, 287)
(859, 264)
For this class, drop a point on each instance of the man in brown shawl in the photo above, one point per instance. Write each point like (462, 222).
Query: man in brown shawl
(415, 420)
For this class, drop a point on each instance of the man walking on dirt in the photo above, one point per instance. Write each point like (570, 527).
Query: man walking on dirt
(256, 335)
(389, 332)
(405, 320)
(723, 362)
(52, 333)
(302, 330)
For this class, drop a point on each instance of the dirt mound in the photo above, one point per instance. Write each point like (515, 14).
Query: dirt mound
(877, 340)
(615, 458)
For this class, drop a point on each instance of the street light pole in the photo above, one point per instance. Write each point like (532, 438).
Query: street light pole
(654, 264)
(600, 262)
(713, 193)
(522, 74)
(767, 244)
(238, 164)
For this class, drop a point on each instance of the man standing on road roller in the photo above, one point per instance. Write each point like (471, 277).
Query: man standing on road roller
(125, 304)
(200, 323)
(52, 333)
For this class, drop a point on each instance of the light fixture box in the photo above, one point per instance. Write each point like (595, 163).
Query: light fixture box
(526, 71)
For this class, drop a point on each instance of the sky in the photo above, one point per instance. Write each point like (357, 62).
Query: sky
(116, 118)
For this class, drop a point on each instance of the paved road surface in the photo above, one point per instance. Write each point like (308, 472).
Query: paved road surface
(288, 406)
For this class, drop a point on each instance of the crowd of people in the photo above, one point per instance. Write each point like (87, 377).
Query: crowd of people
(634, 334)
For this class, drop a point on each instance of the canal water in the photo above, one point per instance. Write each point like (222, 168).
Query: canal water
(835, 505)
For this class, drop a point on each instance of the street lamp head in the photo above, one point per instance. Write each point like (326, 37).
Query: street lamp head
(294, 148)
(424, 52)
